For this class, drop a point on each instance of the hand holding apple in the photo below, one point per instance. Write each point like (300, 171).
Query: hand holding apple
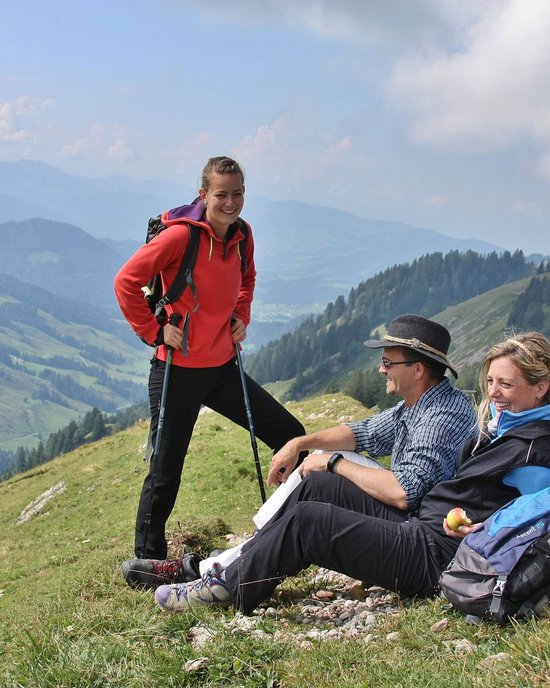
(457, 517)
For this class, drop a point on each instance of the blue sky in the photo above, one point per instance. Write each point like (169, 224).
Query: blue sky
(432, 112)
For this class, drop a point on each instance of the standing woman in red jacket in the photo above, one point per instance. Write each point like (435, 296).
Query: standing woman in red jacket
(204, 369)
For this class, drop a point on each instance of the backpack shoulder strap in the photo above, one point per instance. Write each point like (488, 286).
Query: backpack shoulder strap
(243, 243)
(184, 276)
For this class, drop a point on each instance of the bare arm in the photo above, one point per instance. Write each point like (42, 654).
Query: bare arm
(284, 461)
(379, 483)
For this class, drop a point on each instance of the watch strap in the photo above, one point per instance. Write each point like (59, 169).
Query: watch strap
(333, 461)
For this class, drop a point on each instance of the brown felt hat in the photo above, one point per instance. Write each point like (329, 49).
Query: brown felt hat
(419, 334)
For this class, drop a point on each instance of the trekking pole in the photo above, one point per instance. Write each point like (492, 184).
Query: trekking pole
(174, 320)
(250, 422)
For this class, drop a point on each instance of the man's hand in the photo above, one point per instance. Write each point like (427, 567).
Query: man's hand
(282, 464)
(314, 462)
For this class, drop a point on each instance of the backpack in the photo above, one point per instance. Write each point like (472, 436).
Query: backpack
(184, 278)
(502, 570)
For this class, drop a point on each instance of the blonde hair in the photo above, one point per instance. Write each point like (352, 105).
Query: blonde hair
(529, 352)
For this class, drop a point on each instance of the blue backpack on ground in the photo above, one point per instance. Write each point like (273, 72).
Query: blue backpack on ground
(502, 571)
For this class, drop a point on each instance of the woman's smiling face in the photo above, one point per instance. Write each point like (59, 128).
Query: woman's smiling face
(224, 200)
(509, 390)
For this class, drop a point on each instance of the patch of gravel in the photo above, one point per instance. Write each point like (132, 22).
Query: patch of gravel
(340, 607)
(344, 610)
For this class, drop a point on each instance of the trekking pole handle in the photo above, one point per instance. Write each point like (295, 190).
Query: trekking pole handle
(175, 319)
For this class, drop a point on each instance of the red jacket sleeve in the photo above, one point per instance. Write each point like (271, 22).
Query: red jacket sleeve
(163, 251)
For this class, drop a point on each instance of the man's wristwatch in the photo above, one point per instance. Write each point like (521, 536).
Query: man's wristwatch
(333, 461)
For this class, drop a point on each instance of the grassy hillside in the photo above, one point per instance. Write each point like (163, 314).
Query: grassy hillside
(58, 360)
(67, 619)
(478, 323)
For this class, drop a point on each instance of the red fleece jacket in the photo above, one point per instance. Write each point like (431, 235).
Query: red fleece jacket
(221, 287)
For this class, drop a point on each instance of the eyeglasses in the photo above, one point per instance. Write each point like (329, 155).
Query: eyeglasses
(388, 364)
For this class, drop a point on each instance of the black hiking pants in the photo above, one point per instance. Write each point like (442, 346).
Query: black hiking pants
(330, 522)
(219, 389)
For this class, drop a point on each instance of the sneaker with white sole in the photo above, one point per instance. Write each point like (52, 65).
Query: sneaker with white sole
(148, 574)
(208, 591)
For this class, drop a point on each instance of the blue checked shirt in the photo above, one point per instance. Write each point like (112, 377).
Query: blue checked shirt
(424, 441)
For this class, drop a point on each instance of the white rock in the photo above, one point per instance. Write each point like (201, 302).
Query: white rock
(494, 659)
(196, 664)
(439, 626)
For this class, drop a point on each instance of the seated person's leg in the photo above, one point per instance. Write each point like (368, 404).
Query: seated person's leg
(392, 554)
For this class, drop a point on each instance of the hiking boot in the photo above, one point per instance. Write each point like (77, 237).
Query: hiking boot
(148, 574)
(210, 590)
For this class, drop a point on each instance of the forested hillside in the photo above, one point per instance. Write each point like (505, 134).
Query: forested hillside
(93, 426)
(325, 345)
(531, 310)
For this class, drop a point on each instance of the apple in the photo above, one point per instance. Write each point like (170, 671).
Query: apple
(457, 517)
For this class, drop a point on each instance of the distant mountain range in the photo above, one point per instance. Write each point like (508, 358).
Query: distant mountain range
(306, 255)
(64, 346)
(113, 207)
(61, 259)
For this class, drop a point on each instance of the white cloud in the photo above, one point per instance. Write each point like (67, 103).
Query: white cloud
(92, 142)
(111, 143)
(436, 200)
(74, 150)
(399, 22)
(16, 123)
(489, 93)
(295, 157)
(198, 145)
(527, 207)
(543, 166)
(183, 159)
(120, 151)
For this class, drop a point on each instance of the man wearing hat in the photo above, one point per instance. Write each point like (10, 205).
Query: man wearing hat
(423, 432)
(315, 524)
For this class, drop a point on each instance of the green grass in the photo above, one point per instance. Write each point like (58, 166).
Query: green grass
(67, 619)
(479, 322)
(25, 416)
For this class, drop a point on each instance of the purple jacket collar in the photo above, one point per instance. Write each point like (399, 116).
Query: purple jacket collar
(192, 211)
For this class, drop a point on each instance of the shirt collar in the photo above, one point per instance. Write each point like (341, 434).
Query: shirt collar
(508, 420)
(426, 399)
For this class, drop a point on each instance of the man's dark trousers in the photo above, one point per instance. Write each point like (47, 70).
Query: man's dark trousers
(330, 522)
